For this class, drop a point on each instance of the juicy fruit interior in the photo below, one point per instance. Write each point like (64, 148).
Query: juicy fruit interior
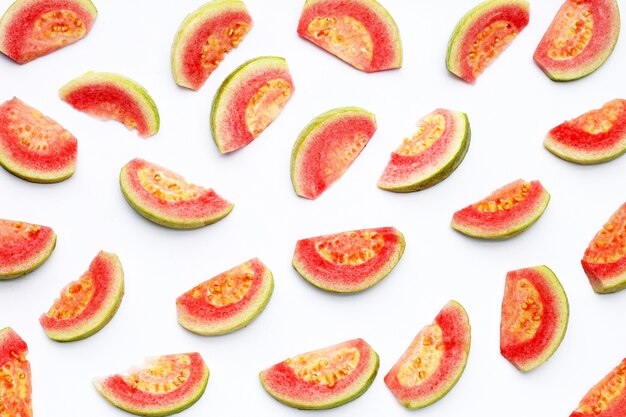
(160, 375)
(429, 130)
(603, 395)
(609, 244)
(424, 357)
(572, 30)
(15, 376)
(74, 299)
(167, 185)
(351, 248)
(266, 105)
(489, 43)
(23, 246)
(226, 288)
(525, 313)
(325, 367)
(505, 198)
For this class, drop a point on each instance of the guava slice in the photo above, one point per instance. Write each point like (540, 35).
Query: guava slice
(359, 32)
(349, 261)
(482, 34)
(228, 301)
(607, 398)
(248, 100)
(604, 261)
(594, 137)
(87, 305)
(579, 40)
(506, 212)
(430, 155)
(16, 391)
(33, 146)
(434, 361)
(324, 378)
(534, 317)
(109, 96)
(326, 148)
(205, 37)
(23, 247)
(32, 28)
(164, 385)
(165, 198)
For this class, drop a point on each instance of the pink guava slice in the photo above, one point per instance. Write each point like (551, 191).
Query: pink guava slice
(23, 247)
(607, 398)
(16, 391)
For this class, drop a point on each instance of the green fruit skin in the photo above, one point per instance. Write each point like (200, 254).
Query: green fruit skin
(43, 257)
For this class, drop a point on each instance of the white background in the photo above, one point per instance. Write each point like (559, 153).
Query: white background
(511, 107)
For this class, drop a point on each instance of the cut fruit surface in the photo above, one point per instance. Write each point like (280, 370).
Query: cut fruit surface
(607, 398)
(324, 378)
(32, 28)
(535, 313)
(165, 198)
(164, 385)
(87, 305)
(505, 213)
(249, 100)
(349, 261)
(16, 390)
(430, 155)
(228, 301)
(434, 361)
(23, 247)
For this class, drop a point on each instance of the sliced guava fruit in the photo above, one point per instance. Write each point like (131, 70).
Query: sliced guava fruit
(228, 301)
(16, 390)
(327, 147)
(534, 317)
(434, 361)
(108, 96)
(607, 398)
(248, 100)
(35, 147)
(164, 385)
(359, 32)
(349, 261)
(87, 305)
(579, 40)
(23, 247)
(482, 34)
(32, 28)
(604, 261)
(165, 198)
(506, 212)
(594, 137)
(324, 378)
(430, 155)
(205, 37)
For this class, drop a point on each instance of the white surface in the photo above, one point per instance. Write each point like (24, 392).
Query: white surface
(511, 107)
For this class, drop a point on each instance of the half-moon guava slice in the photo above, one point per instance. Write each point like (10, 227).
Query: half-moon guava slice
(430, 155)
(23, 247)
(87, 305)
(165, 198)
(324, 378)
(349, 261)
(110, 96)
(434, 361)
(506, 212)
(164, 385)
(16, 391)
(32, 28)
(228, 301)
(607, 398)
(205, 37)
(359, 32)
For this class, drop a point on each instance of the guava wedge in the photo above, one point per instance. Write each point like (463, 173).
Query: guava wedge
(35, 147)
(16, 391)
(592, 138)
(205, 37)
(604, 261)
(349, 261)
(579, 40)
(248, 100)
(87, 305)
(505, 213)
(434, 361)
(430, 155)
(483, 34)
(228, 301)
(33, 28)
(359, 32)
(607, 398)
(109, 96)
(535, 312)
(23, 247)
(165, 198)
(324, 378)
(164, 385)
(327, 147)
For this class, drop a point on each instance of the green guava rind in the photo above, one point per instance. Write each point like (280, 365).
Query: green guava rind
(437, 167)
(569, 70)
(11, 264)
(613, 406)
